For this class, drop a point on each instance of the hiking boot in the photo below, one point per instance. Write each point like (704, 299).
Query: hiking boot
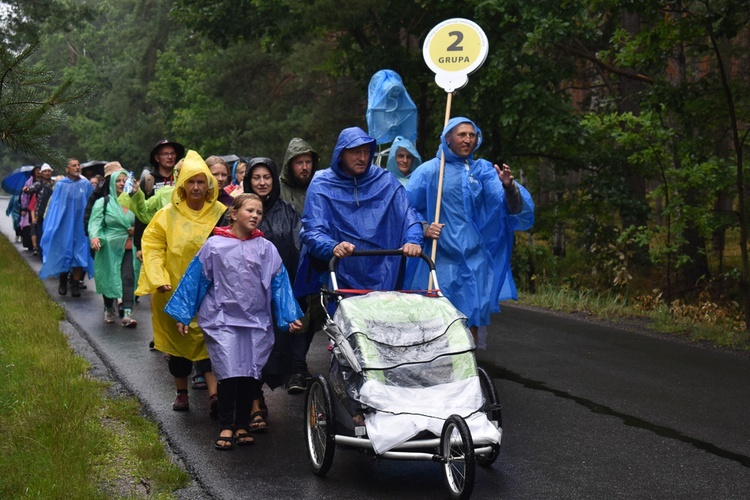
(129, 322)
(75, 290)
(181, 403)
(296, 384)
(62, 289)
(109, 316)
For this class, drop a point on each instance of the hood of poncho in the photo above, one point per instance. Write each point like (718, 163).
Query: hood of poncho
(443, 148)
(349, 138)
(402, 142)
(297, 147)
(262, 161)
(194, 165)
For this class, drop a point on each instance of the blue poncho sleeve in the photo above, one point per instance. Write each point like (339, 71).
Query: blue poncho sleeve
(524, 220)
(315, 220)
(285, 307)
(193, 286)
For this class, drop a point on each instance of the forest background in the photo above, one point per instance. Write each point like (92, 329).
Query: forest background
(626, 119)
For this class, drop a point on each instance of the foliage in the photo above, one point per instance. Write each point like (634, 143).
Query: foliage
(31, 104)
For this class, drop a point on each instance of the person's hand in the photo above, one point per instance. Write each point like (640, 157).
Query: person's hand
(134, 189)
(343, 249)
(139, 255)
(434, 230)
(182, 328)
(96, 244)
(131, 230)
(295, 326)
(505, 174)
(411, 250)
(164, 288)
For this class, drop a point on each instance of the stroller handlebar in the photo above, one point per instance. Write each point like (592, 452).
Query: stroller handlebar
(369, 253)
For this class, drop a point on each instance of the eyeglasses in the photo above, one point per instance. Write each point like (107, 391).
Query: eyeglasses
(168, 154)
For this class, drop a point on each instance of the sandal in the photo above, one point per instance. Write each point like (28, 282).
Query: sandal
(257, 422)
(243, 438)
(225, 440)
(199, 382)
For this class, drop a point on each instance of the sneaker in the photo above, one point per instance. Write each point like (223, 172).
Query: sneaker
(296, 384)
(181, 403)
(151, 346)
(35, 252)
(109, 316)
(129, 322)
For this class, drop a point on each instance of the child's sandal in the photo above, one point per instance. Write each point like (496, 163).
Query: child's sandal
(243, 438)
(224, 439)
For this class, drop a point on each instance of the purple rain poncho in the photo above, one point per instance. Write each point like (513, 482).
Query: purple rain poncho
(233, 284)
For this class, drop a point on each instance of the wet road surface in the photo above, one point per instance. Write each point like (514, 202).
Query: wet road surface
(589, 411)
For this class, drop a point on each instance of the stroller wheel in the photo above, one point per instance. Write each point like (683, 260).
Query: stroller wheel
(457, 452)
(491, 408)
(320, 425)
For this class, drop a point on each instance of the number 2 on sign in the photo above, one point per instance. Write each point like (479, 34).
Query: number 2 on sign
(455, 46)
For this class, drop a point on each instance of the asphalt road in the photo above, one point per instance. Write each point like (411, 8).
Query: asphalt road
(590, 411)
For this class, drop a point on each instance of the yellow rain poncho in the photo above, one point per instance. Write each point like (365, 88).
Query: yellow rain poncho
(169, 243)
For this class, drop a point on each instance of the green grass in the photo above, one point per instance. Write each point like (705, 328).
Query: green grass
(61, 436)
(704, 321)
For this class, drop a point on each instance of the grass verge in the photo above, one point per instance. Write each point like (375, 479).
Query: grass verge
(61, 435)
(704, 321)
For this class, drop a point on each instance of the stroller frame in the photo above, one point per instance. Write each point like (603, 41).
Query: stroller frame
(329, 423)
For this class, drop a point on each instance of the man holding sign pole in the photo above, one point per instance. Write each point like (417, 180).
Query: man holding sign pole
(481, 208)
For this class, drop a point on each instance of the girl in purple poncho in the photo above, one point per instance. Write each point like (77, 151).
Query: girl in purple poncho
(237, 285)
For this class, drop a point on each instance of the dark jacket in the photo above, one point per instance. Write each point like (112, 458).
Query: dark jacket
(281, 223)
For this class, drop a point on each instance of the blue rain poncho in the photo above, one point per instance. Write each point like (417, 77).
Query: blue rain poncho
(370, 211)
(234, 286)
(474, 249)
(402, 142)
(64, 239)
(390, 110)
(110, 223)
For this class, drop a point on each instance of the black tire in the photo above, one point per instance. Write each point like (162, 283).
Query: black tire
(491, 408)
(320, 425)
(457, 452)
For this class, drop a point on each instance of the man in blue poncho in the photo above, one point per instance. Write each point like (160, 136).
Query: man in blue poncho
(355, 204)
(481, 207)
(65, 244)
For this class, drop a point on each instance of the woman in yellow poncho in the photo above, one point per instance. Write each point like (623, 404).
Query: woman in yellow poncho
(170, 242)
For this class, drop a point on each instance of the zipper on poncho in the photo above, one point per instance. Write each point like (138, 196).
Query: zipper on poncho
(356, 196)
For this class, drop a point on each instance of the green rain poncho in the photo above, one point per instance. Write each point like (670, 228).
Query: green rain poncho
(110, 223)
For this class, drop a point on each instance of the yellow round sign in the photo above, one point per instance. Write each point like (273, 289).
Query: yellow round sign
(453, 49)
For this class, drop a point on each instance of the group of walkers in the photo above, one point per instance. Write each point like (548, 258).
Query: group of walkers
(233, 254)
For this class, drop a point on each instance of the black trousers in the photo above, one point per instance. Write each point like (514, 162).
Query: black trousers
(236, 397)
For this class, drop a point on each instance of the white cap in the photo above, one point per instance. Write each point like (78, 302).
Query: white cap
(45, 167)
